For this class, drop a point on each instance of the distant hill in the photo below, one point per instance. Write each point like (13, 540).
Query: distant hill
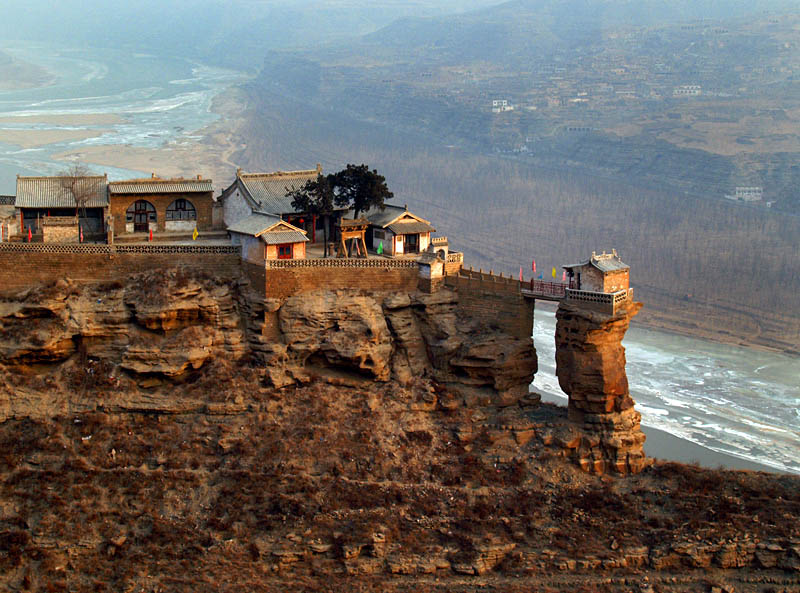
(601, 149)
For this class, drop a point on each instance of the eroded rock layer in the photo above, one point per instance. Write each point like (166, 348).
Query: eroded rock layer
(402, 337)
(590, 365)
(155, 323)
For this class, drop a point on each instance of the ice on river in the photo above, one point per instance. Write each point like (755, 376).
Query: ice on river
(732, 400)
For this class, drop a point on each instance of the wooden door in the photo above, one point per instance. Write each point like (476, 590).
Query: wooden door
(141, 217)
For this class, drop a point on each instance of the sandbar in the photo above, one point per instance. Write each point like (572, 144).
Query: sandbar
(18, 74)
(37, 138)
(65, 119)
(207, 152)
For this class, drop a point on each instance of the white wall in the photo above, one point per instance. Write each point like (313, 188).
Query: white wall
(235, 208)
(252, 247)
(424, 241)
(180, 225)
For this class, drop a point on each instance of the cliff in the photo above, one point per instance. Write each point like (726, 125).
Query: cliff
(183, 435)
(590, 365)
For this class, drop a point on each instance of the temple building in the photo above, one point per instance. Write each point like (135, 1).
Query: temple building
(161, 205)
(395, 231)
(265, 193)
(42, 197)
(600, 273)
(267, 237)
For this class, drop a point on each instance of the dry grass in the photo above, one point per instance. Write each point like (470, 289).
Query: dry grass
(198, 501)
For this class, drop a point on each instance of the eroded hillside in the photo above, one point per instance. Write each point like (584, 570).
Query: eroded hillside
(120, 475)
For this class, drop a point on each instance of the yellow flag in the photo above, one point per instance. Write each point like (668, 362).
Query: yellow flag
(554, 271)
(195, 234)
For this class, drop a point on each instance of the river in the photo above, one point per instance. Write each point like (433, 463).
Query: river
(143, 100)
(734, 401)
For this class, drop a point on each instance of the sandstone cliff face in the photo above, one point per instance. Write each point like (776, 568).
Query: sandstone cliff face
(155, 327)
(161, 323)
(404, 338)
(590, 364)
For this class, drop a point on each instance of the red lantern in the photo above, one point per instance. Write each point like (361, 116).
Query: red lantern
(302, 221)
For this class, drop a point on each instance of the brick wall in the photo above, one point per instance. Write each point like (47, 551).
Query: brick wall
(495, 304)
(285, 282)
(202, 202)
(21, 270)
(255, 273)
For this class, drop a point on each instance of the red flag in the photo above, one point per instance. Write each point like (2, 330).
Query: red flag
(564, 276)
(151, 234)
(30, 235)
(520, 273)
(533, 266)
(81, 228)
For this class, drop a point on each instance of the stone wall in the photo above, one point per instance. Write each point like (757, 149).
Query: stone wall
(28, 265)
(282, 282)
(497, 304)
(202, 203)
(60, 229)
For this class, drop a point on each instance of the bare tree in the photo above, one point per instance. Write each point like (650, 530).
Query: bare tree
(77, 181)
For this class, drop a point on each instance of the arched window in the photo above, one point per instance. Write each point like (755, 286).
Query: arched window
(181, 209)
(140, 213)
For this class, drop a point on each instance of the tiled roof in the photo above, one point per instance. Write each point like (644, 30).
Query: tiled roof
(388, 218)
(268, 190)
(605, 262)
(254, 225)
(410, 227)
(278, 237)
(260, 225)
(609, 264)
(160, 186)
(54, 192)
(381, 218)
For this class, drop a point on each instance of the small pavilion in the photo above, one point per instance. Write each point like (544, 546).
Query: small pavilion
(352, 231)
(267, 237)
(600, 273)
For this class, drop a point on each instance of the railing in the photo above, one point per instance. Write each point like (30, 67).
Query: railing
(439, 241)
(99, 249)
(607, 302)
(340, 262)
(554, 289)
(455, 257)
(488, 277)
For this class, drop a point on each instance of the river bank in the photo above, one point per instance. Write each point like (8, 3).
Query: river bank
(123, 115)
(208, 151)
(16, 74)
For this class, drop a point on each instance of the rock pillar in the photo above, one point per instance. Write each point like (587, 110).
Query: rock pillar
(590, 365)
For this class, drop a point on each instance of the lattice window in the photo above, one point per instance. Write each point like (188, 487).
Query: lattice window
(181, 209)
(140, 208)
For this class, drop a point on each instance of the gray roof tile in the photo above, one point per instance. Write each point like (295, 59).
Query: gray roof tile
(160, 186)
(606, 262)
(278, 237)
(268, 190)
(381, 218)
(410, 227)
(53, 192)
(254, 225)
